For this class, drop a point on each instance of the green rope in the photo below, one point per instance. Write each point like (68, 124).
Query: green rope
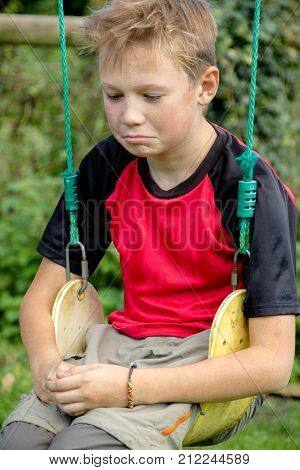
(70, 176)
(248, 159)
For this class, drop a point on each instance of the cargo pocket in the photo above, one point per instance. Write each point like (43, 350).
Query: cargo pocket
(179, 421)
(174, 426)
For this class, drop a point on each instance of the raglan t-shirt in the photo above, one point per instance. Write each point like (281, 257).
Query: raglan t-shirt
(177, 246)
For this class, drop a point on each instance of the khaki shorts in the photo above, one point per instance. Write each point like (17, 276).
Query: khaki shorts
(144, 426)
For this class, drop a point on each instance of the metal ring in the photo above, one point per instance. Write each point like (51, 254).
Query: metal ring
(238, 253)
(84, 266)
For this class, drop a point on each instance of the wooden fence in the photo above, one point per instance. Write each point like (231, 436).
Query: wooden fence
(39, 30)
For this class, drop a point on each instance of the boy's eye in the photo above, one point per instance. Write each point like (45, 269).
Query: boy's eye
(113, 97)
(149, 97)
(152, 97)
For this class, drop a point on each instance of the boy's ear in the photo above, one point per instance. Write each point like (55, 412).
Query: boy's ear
(208, 85)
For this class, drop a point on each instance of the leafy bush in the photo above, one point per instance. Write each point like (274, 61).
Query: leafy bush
(276, 125)
(47, 7)
(33, 156)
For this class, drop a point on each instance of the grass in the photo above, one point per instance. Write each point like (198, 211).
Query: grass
(275, 426)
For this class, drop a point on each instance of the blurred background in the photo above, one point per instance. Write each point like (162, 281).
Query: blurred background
(32, 149)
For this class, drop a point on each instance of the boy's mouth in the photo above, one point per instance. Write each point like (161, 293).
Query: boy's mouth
(138, 138)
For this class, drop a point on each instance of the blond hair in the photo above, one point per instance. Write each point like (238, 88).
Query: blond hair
(185, 30)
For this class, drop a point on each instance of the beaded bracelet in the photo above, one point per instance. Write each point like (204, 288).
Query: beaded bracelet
(129, 383)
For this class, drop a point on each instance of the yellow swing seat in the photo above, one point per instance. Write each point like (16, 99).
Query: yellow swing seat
(229, 334)
(72, 314)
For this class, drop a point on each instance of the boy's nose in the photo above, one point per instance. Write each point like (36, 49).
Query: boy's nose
(132, 115)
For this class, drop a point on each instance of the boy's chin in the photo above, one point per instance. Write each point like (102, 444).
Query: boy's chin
(140, 150)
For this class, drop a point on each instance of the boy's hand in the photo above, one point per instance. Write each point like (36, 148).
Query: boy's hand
(48, 373)
(84, 388)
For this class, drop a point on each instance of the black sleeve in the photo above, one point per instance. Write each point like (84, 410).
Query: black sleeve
(98, 174)
(270, 275)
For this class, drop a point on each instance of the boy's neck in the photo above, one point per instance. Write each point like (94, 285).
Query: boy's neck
(169, 172)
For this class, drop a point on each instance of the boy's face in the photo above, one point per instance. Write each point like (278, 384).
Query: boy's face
(167, 114)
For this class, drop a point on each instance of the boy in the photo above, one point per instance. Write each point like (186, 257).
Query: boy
(163, 187)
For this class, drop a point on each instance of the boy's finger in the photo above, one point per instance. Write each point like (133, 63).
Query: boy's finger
(62, 366)
(65, 383)
(66, 398)
(44, 396)
(76, 370)
(74, 409)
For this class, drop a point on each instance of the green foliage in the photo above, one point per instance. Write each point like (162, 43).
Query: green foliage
(40, 7)
(15, 376)
(32, 147)
(276, 125)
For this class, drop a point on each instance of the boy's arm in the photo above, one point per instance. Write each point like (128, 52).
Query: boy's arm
(37, 329)
(263, 367)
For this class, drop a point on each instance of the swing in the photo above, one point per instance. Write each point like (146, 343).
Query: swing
(72, 313)
(78, 306)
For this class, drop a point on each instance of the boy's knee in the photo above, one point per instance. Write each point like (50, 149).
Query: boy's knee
(85, 437)
(62, 441)
(25, 436)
